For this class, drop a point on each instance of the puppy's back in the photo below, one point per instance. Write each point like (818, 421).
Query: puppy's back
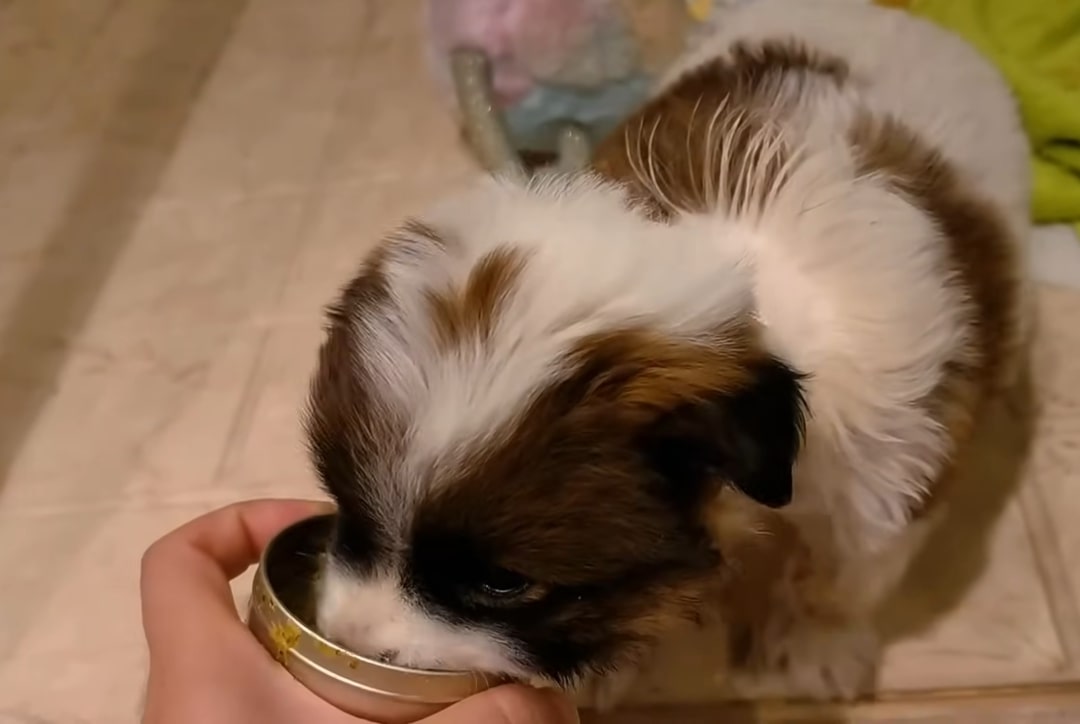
(905, 67)
(880, 162)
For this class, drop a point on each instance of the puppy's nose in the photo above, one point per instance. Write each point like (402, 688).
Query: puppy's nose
(387, 656)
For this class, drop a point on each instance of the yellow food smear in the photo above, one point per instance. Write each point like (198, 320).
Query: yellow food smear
(284, 636)
(700, 10)
(327, 649)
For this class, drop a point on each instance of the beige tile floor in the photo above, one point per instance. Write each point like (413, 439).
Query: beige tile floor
(182, 185)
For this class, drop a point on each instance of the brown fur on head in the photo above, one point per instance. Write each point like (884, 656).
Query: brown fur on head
(574, 534)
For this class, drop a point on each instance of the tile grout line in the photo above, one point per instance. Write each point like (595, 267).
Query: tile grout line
(241, 422)
(1052, 572)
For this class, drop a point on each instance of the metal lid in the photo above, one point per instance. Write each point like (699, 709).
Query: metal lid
(282, 614)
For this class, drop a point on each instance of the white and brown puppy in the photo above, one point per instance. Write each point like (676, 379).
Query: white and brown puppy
(558, 414)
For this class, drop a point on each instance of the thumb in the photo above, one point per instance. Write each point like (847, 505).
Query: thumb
(510, 704)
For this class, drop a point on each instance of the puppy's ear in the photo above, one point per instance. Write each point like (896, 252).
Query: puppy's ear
(749, 438)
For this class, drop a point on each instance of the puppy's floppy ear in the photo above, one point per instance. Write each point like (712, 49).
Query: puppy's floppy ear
(749, 437)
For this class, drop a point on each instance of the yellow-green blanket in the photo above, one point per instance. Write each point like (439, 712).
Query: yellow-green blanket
(1036, 44)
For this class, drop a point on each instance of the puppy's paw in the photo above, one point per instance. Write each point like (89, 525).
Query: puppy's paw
(812, 660)
(604, 693)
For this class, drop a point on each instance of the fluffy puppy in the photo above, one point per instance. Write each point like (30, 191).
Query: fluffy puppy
(558, 414)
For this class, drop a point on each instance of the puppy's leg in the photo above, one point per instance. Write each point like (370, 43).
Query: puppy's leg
(818, 638)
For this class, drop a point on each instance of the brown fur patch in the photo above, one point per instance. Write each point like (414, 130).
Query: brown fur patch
(346, 425)
(341, 421)
(414, 229)
(570, 495)
(471, 313)
(621, 382)
(982, 265)
(712, 137)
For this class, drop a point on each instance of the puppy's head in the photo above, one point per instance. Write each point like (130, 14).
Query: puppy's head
(523, 434)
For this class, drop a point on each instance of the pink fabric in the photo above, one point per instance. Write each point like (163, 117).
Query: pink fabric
(518, 35)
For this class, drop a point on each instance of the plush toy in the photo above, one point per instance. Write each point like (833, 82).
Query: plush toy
(551, 76)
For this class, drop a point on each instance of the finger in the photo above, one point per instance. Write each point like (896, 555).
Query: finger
(511, 704)
(185, 575)
(232, 537)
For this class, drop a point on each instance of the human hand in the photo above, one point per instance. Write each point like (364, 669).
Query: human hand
(206, 667)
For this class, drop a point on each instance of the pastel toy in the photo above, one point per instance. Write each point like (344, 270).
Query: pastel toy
(552, 76)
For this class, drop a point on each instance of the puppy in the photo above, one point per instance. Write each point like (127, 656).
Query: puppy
(724, 373)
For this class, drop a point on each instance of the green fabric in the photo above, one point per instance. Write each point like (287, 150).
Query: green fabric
(1036, 45)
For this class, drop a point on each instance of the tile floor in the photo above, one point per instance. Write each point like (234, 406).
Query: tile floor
(182, 185)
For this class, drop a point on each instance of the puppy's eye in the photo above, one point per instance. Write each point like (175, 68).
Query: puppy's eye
(503, 583)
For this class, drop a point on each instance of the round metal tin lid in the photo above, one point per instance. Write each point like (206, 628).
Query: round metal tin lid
(282, 617)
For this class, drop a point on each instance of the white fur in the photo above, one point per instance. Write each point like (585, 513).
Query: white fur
(845, 274)
(849, 277)
(375, 617)
(576, 282)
